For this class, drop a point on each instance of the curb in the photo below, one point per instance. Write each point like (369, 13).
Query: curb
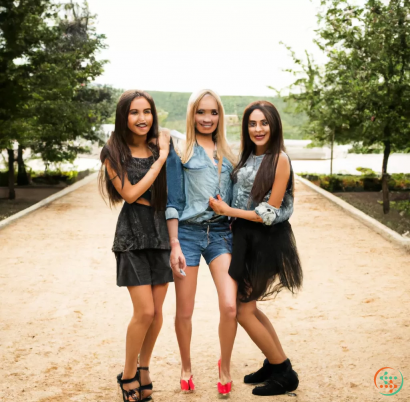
(370, 222)
(49, 200)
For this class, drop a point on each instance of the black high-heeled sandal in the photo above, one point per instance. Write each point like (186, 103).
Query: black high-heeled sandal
(134, 394)
(147, 387)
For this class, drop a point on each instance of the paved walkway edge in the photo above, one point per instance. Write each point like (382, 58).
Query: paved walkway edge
(370, 222)
(49, 200)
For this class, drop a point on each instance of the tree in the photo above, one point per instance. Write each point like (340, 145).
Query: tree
(66, 107)
(320, 101)
(23, 27)
(48, 59)
(367, 73)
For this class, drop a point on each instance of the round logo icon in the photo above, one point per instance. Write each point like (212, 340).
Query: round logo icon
(388, 381)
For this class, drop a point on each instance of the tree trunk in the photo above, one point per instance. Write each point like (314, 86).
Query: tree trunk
(12, 192)
(385, 178)
(331, 152)
(22, 178)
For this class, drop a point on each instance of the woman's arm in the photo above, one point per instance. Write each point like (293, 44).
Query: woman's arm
(177, 258)
(132, 192)
(275, 200)
(175, 183)
(175, 207)
(281, 181)
(222, 208)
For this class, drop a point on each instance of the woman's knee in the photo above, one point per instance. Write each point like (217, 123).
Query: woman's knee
(228, 311)
(145, 315)
(184, 314)
(243, 311)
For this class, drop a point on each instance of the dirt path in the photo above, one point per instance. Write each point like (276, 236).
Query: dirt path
(63, 319)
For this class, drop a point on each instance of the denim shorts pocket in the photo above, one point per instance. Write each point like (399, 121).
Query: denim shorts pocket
(227, 238)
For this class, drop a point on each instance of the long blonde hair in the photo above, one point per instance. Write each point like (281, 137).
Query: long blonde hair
(222, 146)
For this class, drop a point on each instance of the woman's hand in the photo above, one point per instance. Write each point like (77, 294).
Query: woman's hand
(177, 261)
(164, 140)
(219, 206)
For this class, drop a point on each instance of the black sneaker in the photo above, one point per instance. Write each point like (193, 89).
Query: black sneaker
(259, 376)
(265, 372)
(278, 384)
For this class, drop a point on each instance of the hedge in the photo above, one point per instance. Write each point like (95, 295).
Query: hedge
(365, 182)
(48, 178)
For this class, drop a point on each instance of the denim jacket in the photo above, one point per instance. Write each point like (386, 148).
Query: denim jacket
(191, 184)
(243, 187)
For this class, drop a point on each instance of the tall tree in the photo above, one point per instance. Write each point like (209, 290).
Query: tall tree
(23, 28)
(66, 107)
(48, 59)
(322, 101)
(368, 52)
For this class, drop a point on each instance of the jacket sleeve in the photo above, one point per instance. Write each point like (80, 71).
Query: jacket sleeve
(175, 183)
(271, 215)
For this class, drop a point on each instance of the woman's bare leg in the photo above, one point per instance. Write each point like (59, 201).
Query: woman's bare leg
(158, 293)
(269, 327)
(227, 293)
(261, 336)
(185, 290)
(141, 320)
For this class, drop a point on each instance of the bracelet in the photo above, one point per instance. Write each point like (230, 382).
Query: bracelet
(174, 241)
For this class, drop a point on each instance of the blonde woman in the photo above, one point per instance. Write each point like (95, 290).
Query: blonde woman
(199, 168)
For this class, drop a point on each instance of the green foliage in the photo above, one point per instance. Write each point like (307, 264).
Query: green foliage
(367, 181)
(359, 148)
(55, 177)
(46, 100)
(362, 94)
(401, 206)
(366, 172)
(50, 177)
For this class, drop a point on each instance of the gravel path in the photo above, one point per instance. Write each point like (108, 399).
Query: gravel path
(63, 319)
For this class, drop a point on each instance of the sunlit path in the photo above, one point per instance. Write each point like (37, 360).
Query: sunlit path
(63, 319)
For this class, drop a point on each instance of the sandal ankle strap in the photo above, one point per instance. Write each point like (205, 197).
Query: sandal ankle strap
(128, 380)
(143, 368)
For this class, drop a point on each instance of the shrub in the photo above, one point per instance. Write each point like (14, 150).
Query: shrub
(368, 181)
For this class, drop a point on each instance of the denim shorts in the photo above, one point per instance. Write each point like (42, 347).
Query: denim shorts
(210, 241)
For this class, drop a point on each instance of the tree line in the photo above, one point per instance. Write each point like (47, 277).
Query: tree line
(48, 62)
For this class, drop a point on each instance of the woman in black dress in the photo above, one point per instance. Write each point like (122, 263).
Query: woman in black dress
(264, 256)
(134, 171)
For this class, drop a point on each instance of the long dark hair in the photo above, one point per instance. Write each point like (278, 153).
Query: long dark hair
(118, 153)
(266, 174)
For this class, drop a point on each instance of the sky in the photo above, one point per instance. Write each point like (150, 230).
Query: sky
(230, 46)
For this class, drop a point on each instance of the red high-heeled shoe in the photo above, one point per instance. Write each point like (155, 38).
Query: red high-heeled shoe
(187, 385)
(223, 389)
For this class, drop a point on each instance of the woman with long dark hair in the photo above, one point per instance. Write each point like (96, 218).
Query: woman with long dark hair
(198, 168)
(133, 170)
(264, 256)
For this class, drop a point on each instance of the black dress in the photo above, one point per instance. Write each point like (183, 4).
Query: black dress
(141, 242)
(265, 258)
